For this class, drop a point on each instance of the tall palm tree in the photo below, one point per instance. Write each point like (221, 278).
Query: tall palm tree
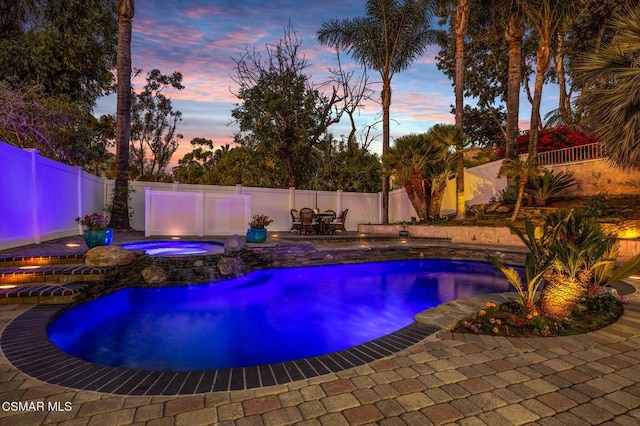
(513, 33)
(610, 99)
(462, 21)
(546, 16)
(388, 39)
(520, 171)
(120, 202)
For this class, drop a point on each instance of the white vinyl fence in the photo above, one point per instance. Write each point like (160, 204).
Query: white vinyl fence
(40, 198)
(195, 213)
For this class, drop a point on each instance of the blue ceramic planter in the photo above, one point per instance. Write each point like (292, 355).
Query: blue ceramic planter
(100, 237)
(256, 235)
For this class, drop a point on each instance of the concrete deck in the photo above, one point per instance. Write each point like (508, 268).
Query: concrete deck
(446, 378)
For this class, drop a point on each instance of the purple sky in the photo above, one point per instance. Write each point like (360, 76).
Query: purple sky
(201, 38)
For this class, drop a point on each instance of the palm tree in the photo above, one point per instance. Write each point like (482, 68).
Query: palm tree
(462, 21)
(388, 39)
(449, 136)
(407, 162)
(546, 16)
(521, 171)
(120, 203)
(610, 76)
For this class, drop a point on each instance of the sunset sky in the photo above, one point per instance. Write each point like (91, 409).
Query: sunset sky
(201, 38)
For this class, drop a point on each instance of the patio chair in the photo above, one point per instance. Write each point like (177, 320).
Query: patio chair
(327, 217)
(338, 223)
(308, 221)
(296, 224)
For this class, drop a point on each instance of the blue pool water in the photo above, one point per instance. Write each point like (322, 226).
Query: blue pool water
(266, 316)
(175, 247)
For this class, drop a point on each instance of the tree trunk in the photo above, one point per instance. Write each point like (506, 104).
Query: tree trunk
(462, 18)
(513, 34)
(416, 194)
(521, 184)
(386, 105)
(543, 59)
(120, 201)
(437, 196)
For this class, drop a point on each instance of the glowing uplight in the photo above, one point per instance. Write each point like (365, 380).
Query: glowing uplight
(275, 235)
(29, 267)
(175, 238)
(72, 245)
(635, 277)
(403, 241)
(629, 233)
(7, 286)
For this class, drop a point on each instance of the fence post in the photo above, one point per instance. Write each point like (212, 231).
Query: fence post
(147, 211)
(200, 213)
(79, 197)
(35, 216)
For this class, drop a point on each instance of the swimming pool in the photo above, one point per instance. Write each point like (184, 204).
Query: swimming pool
(175, 247)
(266, 316)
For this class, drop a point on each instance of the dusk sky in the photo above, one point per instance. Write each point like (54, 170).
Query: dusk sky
(201, 38)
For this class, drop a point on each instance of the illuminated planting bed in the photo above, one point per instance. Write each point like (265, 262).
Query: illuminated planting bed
(266, 316)
(176, 247)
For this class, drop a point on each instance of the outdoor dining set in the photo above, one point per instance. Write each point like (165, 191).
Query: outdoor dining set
(312, 221)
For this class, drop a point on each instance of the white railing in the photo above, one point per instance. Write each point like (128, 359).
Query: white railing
(593, 151)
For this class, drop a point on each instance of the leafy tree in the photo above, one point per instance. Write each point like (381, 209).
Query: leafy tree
(281, 111)
(66, 46)
(120, 200)
(493, 52)
(347, 166)
(193, 167)
(611, 101)
(248, 166)
(153, 127)
(60, 129)
(388, 39)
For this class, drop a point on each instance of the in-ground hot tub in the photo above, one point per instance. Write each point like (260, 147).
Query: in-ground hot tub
(176, 247)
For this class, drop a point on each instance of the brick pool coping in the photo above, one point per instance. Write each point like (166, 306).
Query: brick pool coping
(26, 345)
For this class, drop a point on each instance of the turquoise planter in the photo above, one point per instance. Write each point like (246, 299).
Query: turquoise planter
(101, 237)
(256, 235)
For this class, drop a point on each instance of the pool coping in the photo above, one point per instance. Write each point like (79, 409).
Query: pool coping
(26, 345)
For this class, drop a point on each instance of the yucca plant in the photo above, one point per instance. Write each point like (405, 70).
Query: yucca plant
(546, 185)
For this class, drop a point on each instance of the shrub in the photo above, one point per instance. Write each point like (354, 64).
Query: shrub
(596, 206)
(546, 185)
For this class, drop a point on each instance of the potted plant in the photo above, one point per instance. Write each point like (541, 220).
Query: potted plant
(95, 228)
(257, 232)
(403, 232)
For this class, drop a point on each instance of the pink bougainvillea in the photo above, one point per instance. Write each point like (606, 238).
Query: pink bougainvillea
(550, 140)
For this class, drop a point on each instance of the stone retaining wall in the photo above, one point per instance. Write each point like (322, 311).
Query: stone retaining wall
(500, 236)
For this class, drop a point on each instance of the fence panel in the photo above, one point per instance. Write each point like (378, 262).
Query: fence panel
(40, 198)
(174, 213)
